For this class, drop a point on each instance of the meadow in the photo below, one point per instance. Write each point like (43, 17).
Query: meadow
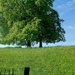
(42, 61)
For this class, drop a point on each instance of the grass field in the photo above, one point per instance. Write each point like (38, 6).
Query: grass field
(42, 61)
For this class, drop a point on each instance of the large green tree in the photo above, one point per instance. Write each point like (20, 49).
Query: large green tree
(27, 21)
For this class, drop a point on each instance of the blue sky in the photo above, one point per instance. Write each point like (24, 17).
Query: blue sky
(66, 10)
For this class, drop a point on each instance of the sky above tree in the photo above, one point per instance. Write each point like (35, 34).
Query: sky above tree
(66, 10)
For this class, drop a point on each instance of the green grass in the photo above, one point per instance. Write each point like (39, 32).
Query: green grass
(42, 61)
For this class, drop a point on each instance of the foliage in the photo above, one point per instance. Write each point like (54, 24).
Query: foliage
(26, 21)
(42, 61)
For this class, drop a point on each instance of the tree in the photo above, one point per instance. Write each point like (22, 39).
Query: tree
(27, 21)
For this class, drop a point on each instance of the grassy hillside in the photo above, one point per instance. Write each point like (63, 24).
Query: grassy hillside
(42, 61)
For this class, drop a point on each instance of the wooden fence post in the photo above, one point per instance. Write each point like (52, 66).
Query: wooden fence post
(9, 72)
(12, 71)
(0, 72)
(26, 71)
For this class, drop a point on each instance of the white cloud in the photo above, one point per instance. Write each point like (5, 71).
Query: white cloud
(66, 7)
(67, 10)
(69, 3)
(73, 0)
(71, 27)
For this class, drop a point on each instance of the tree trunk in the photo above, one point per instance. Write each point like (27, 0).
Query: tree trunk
(40, 44)
(28, 44)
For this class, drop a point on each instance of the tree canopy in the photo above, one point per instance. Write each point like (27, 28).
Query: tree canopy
(27, 21)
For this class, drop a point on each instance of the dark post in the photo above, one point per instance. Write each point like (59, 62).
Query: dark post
(9, 72)
(12, 71)
(0, 72)
(26, 71)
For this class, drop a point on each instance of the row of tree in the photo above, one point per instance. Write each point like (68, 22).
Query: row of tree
(24, 22)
